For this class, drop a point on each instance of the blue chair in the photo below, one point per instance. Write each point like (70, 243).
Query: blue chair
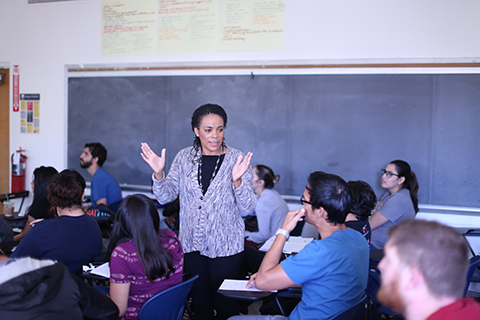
(473, 265)
(168, 304)
(296, 292)
(347, 314)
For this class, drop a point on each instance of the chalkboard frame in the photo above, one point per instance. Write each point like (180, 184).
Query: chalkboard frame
(442, 173)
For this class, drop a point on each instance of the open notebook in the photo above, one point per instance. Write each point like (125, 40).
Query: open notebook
(293, 245)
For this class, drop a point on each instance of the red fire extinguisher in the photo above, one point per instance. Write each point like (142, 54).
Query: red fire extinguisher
(18, 171)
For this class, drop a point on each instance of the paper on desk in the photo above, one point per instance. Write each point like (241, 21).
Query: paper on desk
(102, 270)
(238, 285)
(293, 245)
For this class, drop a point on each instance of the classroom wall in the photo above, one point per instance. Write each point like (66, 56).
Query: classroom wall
(43, 38)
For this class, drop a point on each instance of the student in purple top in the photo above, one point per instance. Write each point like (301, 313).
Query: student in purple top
(144, 261)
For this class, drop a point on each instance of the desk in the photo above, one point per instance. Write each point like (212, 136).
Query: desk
(15, 221)
(16, 195)
(245, 295)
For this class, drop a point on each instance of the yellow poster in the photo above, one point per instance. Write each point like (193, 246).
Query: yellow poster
(29, 113)
(187, 26)
(252, 25)
(140, 27)
(128, 27)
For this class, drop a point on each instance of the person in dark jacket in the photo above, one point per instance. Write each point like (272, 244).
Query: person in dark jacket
(45, 289)
(6, 235)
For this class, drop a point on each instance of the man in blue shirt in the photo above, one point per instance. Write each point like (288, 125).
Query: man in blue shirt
(333, 272)
(104, 188)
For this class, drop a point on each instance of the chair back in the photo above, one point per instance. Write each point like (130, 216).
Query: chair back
(168, 304)
(347, 314)
(473, 264)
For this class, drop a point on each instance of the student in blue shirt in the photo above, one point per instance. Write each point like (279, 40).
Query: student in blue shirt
(105, 189)
(333, 271)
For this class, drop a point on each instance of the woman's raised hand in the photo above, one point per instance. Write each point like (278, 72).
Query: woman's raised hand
(156, 163)
(240, 167)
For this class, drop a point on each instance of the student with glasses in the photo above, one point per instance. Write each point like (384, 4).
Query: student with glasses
(398, 203)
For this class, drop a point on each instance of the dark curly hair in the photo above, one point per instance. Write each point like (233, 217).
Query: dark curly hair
(97, 150)
(65, 190)
(363, 199)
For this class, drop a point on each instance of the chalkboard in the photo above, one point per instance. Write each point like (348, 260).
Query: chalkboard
(350, 125)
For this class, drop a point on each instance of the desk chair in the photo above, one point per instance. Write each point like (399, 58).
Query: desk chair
(168, 304)
(472, 268)
(296, 292)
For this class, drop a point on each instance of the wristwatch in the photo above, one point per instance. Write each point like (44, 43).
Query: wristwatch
(284, 232)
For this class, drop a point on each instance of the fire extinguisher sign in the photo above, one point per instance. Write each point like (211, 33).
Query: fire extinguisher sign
(30, 113)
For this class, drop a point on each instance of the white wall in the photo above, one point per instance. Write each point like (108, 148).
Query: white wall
(43, 38)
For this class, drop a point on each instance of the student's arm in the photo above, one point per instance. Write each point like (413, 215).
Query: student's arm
(271, 275)
(119, 294)
(102, 201)
(377, 220)
(264, 215)
(27, 227)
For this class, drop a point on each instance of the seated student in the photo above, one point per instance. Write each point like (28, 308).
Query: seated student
(363, 202)
(171, 212)
(105, 189)
(144, 261)
(40, 208)
(6, 234)
(270, 210)
(424, 272)
(74, 237)
(45, 289)
(333, 271)
(397, 204)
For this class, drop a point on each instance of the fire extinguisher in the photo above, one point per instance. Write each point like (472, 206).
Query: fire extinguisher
(19, 163)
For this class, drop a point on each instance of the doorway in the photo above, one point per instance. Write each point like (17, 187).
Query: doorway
(4, 131)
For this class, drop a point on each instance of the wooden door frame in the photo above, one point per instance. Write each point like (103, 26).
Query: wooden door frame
(5, 131)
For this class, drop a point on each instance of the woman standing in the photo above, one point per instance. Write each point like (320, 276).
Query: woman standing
(398, 203)
(271, 209)
(144, 261)
(214, 182)
(40, 208)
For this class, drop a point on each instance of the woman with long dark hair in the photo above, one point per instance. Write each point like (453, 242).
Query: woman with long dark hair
(40, 208)
(143, 260)
(271, 208)
(214, 182)
(398, 203)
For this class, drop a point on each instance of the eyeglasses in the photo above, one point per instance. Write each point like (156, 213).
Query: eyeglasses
(388, 173)
(303, 201)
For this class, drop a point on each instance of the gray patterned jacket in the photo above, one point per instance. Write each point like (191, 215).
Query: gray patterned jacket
(210, 223)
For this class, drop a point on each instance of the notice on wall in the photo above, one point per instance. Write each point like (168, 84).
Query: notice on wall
(128, 27)
(252, 25)
(29, 113)
(187, 26)
(138, 27)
